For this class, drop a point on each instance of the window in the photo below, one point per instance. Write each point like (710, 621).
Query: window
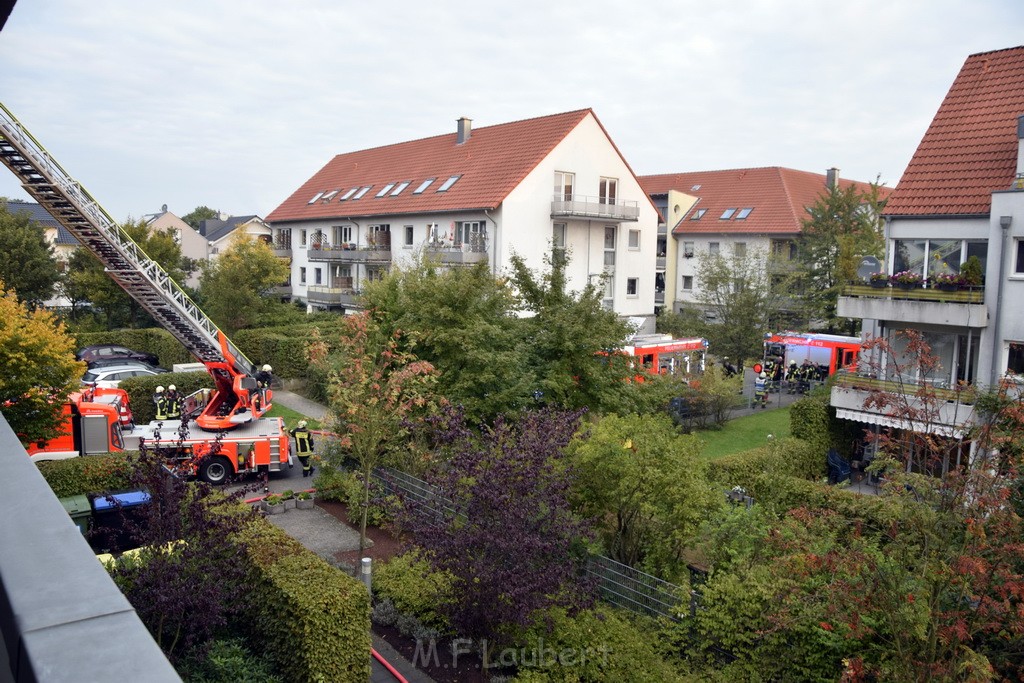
(608, 190)
(317, 196)
(698, 214)
(739, 249)
(1018, 262)
(423, 186)
(434, 233)
(302, 275)
(634, 239)
(318, 276)
(564, 186)
(687, 282)
(1015, 361)
(408, 236)
(361, 192)
(609, 246)
(342, 235)
(742, 215)
(448, 184)
(472, 234)
(632, 284)
(688, 249)
(727, 214)
(302, 238)
(329, 196)
(558, 235)
(401, 186)
(348, 194)
(384, 190)
(713, 247)
(784, 250)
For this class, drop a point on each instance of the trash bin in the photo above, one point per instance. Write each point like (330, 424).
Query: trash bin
(114, 517)
(80, 511)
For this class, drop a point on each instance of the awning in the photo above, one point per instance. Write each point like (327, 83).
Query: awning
(899, 423)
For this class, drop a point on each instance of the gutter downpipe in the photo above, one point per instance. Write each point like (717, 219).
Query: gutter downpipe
(1004, 224)
(496, 264)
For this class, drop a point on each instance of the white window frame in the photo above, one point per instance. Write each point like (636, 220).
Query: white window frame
(302, 238)
(608, 190)
(564, 180)
(687, 283)
(687, 249)
(634, 239)
(558, 231)
(632, 283)
(739, 249)
(410, 237)
(714, 248)
(302, 275)
(1018, 258)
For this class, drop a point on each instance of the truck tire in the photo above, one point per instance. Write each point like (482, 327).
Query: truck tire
(215, 470)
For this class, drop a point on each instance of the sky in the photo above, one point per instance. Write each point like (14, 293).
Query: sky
(233, 104)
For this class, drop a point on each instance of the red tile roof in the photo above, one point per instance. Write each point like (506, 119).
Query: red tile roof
(491, 164)
(970, 148)
(778, 196)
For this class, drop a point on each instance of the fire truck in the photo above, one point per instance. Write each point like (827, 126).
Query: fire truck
(239, 438)
(830, 351)
(662, 354)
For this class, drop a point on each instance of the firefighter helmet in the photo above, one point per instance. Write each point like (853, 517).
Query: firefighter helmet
(763, 375)
(302, 424)
(159, 390)
(267, 368)
(172, 388)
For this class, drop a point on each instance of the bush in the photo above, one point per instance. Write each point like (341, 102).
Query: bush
(228, 661)
(141, 389)
(414, 588)
(384, 612)
(789, 457)
(88, 474)
(381, 506)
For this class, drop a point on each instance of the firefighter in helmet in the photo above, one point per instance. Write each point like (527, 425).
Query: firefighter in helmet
(303, 446)
(792, 377)
(160, 400)
(173, 403)
(264, 378)
(761, 390)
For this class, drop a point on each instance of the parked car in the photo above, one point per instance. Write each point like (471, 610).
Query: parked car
(110, 376)
(107, 362)
(104, 351)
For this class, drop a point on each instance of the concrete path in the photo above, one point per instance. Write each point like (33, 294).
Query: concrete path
(300, 404)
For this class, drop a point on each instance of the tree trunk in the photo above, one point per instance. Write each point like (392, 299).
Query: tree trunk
(365, 511)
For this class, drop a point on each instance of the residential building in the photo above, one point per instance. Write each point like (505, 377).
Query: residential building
(193, 245)
(962, 195)
(221, 230)
(476, 195)
(732, 212)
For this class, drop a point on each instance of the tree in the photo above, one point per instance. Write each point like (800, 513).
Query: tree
(508, 538)
(842, 227)
(28, 266)
(40, 369)
(234, 287)
(376, 393)
(742, 300)
(463, 323)
(571, 338)
(87, 279)
(198, 215)
(645, 485)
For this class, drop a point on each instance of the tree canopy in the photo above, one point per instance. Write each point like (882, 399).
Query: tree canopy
(233, 288)
(198, 215)
(28, 266)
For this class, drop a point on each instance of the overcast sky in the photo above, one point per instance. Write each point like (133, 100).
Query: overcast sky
(233, 104)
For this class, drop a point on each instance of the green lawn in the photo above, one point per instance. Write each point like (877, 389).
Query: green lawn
(743, 433)
(291, 417)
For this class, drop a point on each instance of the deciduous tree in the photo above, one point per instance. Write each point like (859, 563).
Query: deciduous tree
(234, 287)
(28, 266)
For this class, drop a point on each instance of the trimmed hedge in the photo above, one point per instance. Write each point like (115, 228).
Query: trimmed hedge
(790, 456)
(312, 620)
(88, 474)
(141, 389)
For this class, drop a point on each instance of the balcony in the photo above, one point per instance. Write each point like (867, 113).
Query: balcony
(281, 290)
(349, 253)
(594, 207)
(659, 263)
(459, 253)
(342, 293)
(281, 249)
(964, 307)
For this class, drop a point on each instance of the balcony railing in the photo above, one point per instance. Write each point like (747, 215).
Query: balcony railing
(472, 251)
(595, 207)
(939, 388)
(961, 295)
(349, 253)
(342, 293)
(964, 307)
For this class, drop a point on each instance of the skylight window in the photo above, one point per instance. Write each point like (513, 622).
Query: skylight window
(742, 215)
(329, 196)
(362, 191)
(695, 188)
(423, 186)
(448, 183)
(698, 214)
(384, 190)
(401, 186)
(348, 194)
(727, 214)
(317, 196)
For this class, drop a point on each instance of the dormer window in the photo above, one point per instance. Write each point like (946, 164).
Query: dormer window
(742, 215)
(384, 190)
(362, 191)
(448, 183)
(348, 195)
(423, 186)
(698, 214)
(727, 214)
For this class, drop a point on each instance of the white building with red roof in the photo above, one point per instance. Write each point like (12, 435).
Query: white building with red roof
(475, 195)
(962, 195)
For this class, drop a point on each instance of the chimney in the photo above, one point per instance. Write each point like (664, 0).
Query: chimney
(465, 129)
(832, 178)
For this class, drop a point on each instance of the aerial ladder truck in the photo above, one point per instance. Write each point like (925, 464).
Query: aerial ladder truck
(241, 439)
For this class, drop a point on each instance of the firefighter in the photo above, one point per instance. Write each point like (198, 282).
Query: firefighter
(807, 373)
(303, 446)
(761, 390)
(173, 403)
(792, 377)
(264, 378)
(769, 371)
(161, 403)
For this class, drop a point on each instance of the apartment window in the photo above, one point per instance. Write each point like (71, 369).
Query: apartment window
(318, 276)
(564, 185)
(302, 238)
(931, 257)
(784, 250)
(283, 239)
(632, 285)
(408, 236)
(1018, 262)
(688, 249)
(348, 195)
(713, 248)
(687, 282)
(329, 196)
(379, 236)
(558, 235)
(634, 239)
(401, 186)
(1015, 361)
(302, 275)
(342, 235)
(434, 232)
(609, 246)
(472, 234)
(608, 190)
(739, 249)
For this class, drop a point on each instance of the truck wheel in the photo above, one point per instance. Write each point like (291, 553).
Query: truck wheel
(215, 470)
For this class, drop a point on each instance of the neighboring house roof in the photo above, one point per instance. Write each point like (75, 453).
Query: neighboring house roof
(40, 215)
(214, 229)
(489, 165)
(777, 198)
(970, 148)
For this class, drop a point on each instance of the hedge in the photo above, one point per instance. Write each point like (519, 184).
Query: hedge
(790, 456)
(415, 588)
(141, 389)
(88, 474)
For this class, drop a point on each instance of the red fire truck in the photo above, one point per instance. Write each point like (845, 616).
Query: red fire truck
(662, 354)
(830, 351)
(244, 439)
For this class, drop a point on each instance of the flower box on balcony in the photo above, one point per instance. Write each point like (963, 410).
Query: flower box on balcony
(906, 279)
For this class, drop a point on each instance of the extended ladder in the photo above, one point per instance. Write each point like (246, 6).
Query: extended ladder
(144, 280)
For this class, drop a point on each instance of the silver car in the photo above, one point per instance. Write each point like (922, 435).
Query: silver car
(110, 376)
